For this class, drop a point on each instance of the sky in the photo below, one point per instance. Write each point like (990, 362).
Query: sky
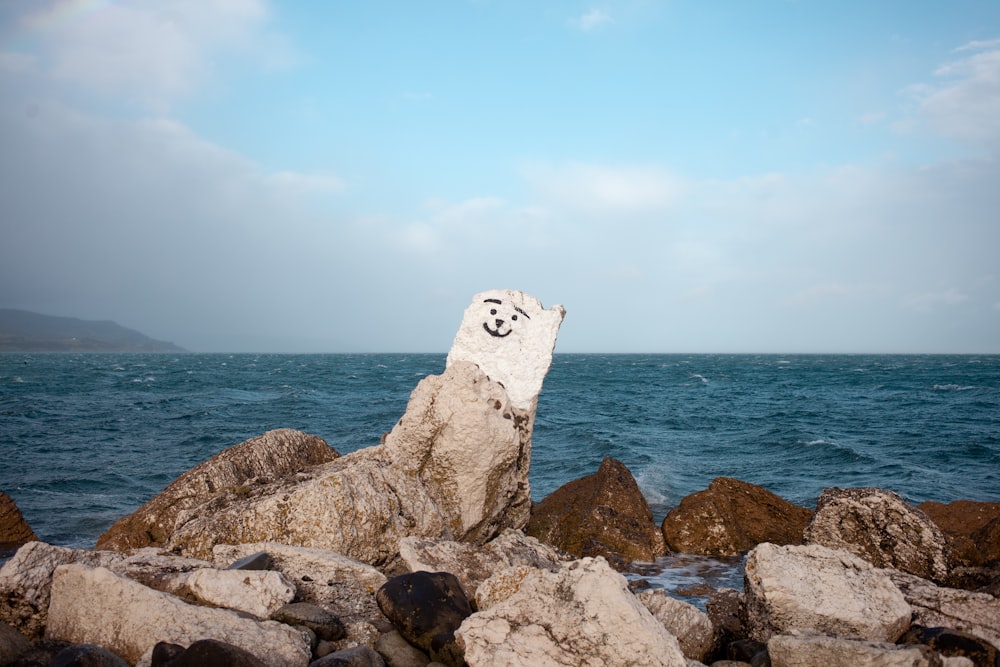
(772, 176)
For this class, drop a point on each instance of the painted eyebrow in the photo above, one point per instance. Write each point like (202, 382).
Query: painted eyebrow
(497, 301)
(522, 312)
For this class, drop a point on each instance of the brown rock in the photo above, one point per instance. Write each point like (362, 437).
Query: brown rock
(972, 530)
(731, 517)
(14, 530)
(604, 514)
(232, 471)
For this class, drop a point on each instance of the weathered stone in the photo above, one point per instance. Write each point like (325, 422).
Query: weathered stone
(14, 530)
(321, 621)
(426, 608)
(12, 644)
(817, 589)
(880, 527)
(724, 608)
(812, 650)
(94, 605)
(255, 561)
(731, 517)
(510, 336)
(473, 564)
(954, 643)
(603, 514)
(232, 472)
(691, 626)
(397, 652)
(971, 528)
(359, 656)
(580, 614)
(87, 655)
(937, 606)
(256, 592)
(212, 652)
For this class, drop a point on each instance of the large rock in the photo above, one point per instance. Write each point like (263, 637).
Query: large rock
(232, 471)
(972, 529)
(583, 614)
(880, 527)
(510, 336)
(731, 517)
(94, 605)
(691, 626)
(603, 514)
(817, 589)
(812, 650)
(256, 592)
(426, 608)
(14, 530)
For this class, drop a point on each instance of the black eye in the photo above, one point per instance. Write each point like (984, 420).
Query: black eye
(493, 311)
(513, 317)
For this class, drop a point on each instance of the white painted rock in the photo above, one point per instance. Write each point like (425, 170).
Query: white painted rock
(583, 614)
(689, 624)
(815, 589)
(510, 336)
(96, 606)
(257, 592)
(812, 650)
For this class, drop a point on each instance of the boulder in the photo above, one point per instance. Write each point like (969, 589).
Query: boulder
(691, 626)
(234, 471)
(426, 608)
(938, 606)
(954, 643)
(94, 605)
(473, 564)
(256, 592)
(322, 622)
(820, 590)
(358, 656)
(880, 527)
(397, 652)
(14, 530)
(581, 614)
(202, 653)
(731, 517)
(12, 644)
(603, 514)
(344, 586)
(87, 655)
(812, 650)
(972, 529)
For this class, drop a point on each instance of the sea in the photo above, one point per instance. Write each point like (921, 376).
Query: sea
(87, 438)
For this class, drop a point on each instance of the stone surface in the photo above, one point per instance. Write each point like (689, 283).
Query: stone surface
(94, 605)
(954, 643)
(971, 528)
(359, 656)
(510, 336)
(810, 651)
(603, 514)
(473, 564)
(690, 625)
(426, 608)
(731, 517)
(344, 586)
(255, 592)
(12, 644)
(205, 652)
(322, 622)
(880, 527)
(233, 471)
(14, 530)
(583, 614)
(724, 608)
(817, 589)
(87, 655)
(397, 652)
(937, 606)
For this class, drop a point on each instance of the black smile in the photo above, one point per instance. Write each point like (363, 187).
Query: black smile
(495, 332)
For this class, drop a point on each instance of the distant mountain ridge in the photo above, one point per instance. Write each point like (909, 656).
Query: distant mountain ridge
(24, 331)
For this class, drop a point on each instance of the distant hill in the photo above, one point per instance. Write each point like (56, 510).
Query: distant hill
(24, 331)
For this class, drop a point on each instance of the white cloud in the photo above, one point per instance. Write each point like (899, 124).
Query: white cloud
(595, 188)
(592, 20)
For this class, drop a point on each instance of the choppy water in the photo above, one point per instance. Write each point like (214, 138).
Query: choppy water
(87, 438)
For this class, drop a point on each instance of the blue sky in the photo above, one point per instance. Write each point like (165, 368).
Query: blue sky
(244, 175)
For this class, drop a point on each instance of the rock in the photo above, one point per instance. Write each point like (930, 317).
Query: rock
(580, 614)
(971, 528)
(344, 586)
(255, 561)
(603, 514)
(232, 471)
(426, 608)
(724, 609)
(256, 592)
(817, 589)
(809, 651)
(397, 652)
(14, 530)
(212, 652)
(41, 653)
(510, 336)
(12, 644)
(954, 643)
(473, 564)
(321, 621)
(691, 626)
(880, 527)
(937, 606)
(359, 656)
(731, 517)
(94, 605)
(87, 655)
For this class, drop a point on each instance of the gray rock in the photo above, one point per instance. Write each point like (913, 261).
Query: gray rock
(12, 644)
(359, 656)
(812, 650)
(689, 624)
(325, 624)
(88, 655)
(260, 560)
(397, 652)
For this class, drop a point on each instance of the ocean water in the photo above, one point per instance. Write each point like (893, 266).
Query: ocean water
(87, 438)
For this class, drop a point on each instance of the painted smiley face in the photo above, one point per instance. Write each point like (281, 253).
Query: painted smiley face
(501, 319)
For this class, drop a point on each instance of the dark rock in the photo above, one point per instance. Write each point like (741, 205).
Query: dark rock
(205, 652)
(12, 644)
(258, 561)
(321, 621)
(359, 656)
(87, 655)
(397, 652)
(163, 653)
(603, 514)
(745, 650)
(41, 653)
(14, 530)
(426, 608)
(950, 643)
(724, 608)
(972, 530)
(731, 517)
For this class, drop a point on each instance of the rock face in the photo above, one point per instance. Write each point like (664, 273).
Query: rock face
(971, 528)
(510, 336)
(880, 527)
(691, 626)
(583, 614)
(731, 517)
(817, 589)
(937, 606)
(14, 530)
(604, 514)
(274, 454)
(809, 651)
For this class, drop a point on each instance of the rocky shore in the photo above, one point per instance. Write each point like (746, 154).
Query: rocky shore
(426, 549)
